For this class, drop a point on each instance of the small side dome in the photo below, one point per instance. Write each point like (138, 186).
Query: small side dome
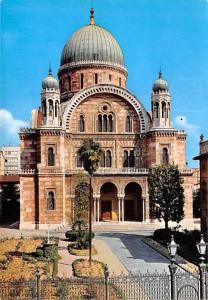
(160, 85)
(50, 82)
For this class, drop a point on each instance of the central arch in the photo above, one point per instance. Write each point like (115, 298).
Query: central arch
(109, 202)
(105, 88)
(133, 203)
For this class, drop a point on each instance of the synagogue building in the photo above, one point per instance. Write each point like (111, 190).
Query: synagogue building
(90, 99)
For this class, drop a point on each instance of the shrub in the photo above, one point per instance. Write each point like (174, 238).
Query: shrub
(39, 252)
(71, 235)
(163, 235)
(4, 263)
(55, 266)
(50, 250)
(29, 258)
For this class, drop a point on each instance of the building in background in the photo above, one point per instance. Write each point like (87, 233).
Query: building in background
(203, 158)
(10, 160)
(91, 100)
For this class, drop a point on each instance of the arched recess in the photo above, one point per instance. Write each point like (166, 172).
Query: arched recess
(108, 202)
(110, 89)
(133, 203)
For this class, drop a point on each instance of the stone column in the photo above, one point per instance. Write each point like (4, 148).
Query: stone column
(143, 210)
(122, 210)
(119, 209)
(94, 209)
(146, 208)
(98, 209)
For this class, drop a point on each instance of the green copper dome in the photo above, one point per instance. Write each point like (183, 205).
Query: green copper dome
(50, 82)
(160, 84)
(92, 44)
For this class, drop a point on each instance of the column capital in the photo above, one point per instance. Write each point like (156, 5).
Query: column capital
(121, 196)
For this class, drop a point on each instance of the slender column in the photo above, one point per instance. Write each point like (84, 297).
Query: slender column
(119, 209)
(143, 210)
(94, 210)
(98, 209)
(122, 204)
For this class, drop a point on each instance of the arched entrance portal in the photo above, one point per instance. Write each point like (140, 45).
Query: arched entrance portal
(133, 204)
(109, 202)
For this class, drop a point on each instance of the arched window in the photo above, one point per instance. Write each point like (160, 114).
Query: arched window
(81, 80)
(108, 159)
(105, 126)
(100, 123)
(110, 123)
(44, 107)
(69, 81)
(128, 124)
(131, 159)
(51, 201)
(165, 156)
(81, 124)
(125, 159)
(50, 109)
(79, 161)
(156, 108)
(163, 109)
(56, 109)
(96, 78)
(51, 157)
(102, 160)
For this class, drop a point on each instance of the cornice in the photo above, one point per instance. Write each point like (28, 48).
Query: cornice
(91, 64)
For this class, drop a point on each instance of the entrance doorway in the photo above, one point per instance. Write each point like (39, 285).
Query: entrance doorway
(106, 208)
(108, 202)
(129, 210)
(133, 205)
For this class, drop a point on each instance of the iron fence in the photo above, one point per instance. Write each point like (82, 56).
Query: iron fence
(141, 286)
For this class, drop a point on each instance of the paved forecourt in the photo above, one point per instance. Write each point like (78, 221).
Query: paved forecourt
(135, 255)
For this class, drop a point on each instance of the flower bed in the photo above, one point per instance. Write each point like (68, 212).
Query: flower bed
(81, 268)
(17, 259)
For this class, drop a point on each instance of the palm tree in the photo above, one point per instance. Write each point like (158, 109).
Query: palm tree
(90, 153)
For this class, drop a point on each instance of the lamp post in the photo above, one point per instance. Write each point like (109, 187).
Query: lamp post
(201, 247)
(173, 267)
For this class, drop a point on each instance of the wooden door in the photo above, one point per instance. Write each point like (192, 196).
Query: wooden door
(106, 209)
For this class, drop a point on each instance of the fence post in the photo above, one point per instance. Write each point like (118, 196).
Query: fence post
(106, 274)
(202, 271)
(37, 273)
(173, 268)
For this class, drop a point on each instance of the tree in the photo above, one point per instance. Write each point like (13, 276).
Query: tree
(81, 201)
(90, 154)
(196, 203)
(166, 193)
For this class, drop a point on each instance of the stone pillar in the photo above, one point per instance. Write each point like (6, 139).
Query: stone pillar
(98, 209)
(122, 210)
(143, 210)
(119, 209)
(146, 208)
(94, 209)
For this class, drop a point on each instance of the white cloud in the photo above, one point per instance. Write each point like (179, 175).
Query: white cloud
(9, 125)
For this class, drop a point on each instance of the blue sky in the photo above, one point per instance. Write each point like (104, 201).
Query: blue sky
(173, 34)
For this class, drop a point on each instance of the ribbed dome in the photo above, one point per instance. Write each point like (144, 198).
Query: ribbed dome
(50, 82)
(92, 44)
(160, 84)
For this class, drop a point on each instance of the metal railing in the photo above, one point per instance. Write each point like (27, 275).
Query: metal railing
(140, 286)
